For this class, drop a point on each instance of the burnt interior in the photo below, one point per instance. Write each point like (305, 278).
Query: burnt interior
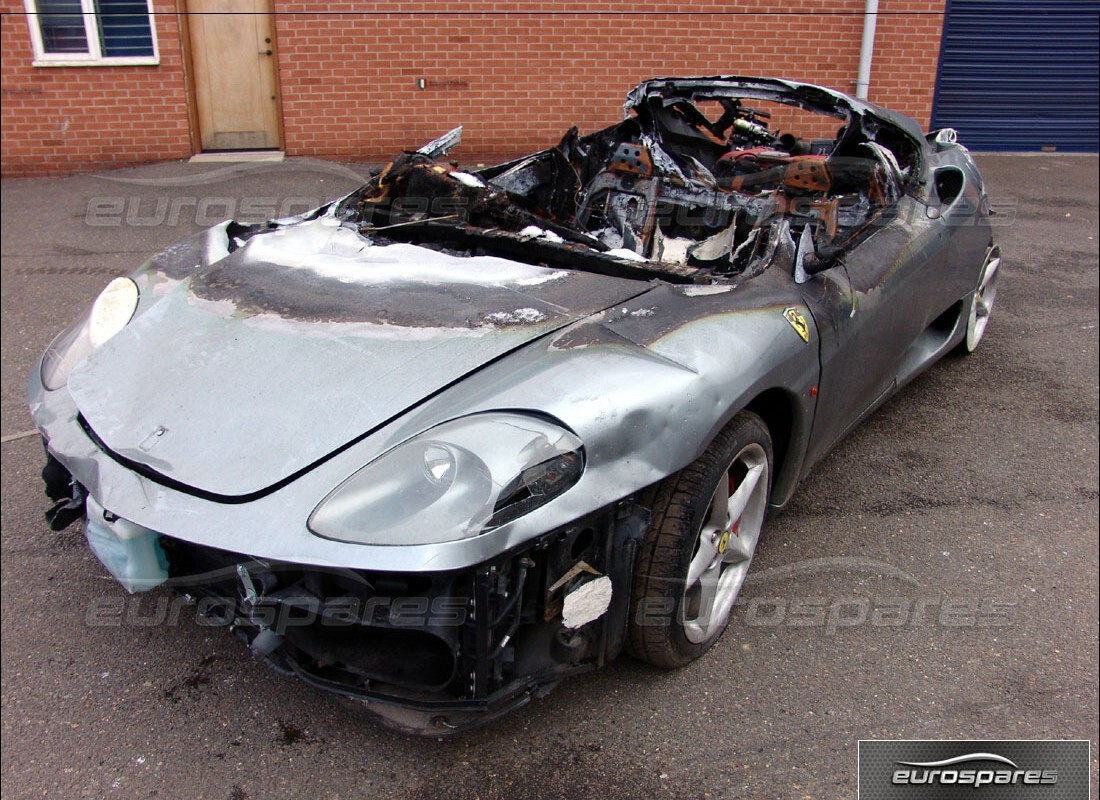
(669, 192)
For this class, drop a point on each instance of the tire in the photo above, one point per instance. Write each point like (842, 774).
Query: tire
(691, 563)
(981, 302)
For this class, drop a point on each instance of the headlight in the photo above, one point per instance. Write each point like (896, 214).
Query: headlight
(109, 314)
(453, 482)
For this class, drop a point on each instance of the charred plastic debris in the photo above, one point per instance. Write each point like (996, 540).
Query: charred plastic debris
(666, 194)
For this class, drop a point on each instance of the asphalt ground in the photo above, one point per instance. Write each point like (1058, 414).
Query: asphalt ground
(935, 578)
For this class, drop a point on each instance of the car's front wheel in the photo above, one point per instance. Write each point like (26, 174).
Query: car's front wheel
(706, 521)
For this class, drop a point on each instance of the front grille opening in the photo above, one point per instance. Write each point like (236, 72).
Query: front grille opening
(411, 659)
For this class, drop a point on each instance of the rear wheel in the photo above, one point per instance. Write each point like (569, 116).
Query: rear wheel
(706, 522)
(981, 303)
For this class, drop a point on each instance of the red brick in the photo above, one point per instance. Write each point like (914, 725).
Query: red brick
(530, 70)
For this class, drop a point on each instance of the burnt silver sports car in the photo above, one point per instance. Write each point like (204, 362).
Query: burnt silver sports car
(460, 434)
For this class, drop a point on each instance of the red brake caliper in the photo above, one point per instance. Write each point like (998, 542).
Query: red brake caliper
(737, 522)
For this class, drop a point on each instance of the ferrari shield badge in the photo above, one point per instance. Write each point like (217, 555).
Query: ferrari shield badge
(798, 322)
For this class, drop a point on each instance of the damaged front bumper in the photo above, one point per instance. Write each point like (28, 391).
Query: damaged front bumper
(428, 653)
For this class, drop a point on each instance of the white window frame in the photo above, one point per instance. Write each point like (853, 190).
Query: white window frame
(94, 56)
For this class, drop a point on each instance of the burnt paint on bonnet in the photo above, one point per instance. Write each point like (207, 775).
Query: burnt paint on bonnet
(317, 273)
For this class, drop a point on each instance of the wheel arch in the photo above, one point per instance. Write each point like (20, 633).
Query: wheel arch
(785, 420)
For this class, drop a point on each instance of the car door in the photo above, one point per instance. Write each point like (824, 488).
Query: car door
(869, 309)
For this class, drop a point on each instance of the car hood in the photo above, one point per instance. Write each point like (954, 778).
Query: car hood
(303, 341)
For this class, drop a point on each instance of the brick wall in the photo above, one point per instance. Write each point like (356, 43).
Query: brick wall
(907, 55)
(517, 81)
(515, 74)
(58, 119)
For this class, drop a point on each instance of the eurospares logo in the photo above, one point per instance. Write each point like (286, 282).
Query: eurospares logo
(952, 772)
(984, 770)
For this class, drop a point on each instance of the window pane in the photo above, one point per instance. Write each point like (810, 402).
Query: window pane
(62, 26)
(124, 28)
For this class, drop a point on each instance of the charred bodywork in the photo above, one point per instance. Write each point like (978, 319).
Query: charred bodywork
(416, 446)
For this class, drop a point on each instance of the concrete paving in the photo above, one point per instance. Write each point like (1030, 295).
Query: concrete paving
(935, 578)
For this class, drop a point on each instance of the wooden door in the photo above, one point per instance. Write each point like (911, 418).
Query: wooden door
(232, 46)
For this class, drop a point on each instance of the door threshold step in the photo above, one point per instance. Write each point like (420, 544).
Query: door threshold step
(237, 156)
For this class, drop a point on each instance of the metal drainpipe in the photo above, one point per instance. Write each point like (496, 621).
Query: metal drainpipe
(866, 49)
